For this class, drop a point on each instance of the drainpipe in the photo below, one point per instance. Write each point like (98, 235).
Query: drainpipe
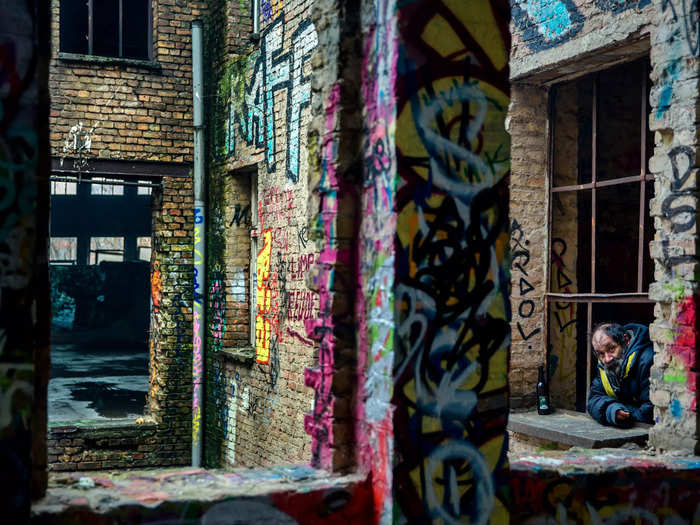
(256, 19)
(198, 336)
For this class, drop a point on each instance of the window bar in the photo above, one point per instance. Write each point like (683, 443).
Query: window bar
(589, 335)
(121, 28)
(643, 184)
(548, 267)
(90, 27)
(594, 178)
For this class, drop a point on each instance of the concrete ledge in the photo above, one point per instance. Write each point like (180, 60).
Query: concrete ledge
(575, 429)
(186, 495)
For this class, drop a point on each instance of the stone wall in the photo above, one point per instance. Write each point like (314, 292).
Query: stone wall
(675, 103)
(125, 110)
(260, 93)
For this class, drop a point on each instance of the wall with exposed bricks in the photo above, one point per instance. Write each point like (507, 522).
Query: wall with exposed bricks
(260, 93)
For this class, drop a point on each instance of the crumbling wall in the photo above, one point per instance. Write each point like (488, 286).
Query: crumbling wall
(259, 111)
(675, 103)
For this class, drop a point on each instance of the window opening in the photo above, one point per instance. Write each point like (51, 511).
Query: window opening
(100, 252)
(600, 267)
(63, 250)
(110, 28)
(104, 186)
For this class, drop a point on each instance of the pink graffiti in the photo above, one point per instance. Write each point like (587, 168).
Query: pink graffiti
(684, 343)
(320, 423)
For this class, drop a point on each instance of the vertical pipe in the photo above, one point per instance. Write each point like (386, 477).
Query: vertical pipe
(256, 17)
(198, 336)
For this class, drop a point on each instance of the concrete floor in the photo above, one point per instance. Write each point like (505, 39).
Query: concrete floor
(90, 383)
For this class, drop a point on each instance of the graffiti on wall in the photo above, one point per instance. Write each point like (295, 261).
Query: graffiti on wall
(217, 310)
(252, 114)
(623, 489)
(452, 271)
(563, 329)
(548, 23)
(376, 256)
(319, 424)
(520, 258)
(263, 329)
(688, 13)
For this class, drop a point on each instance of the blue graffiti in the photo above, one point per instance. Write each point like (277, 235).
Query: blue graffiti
(676, 409)
(546, 23)
(273, 71)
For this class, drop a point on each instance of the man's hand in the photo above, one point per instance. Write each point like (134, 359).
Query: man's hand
(621, 416)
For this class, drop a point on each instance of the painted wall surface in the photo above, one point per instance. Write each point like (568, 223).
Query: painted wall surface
(452, 267)
(605, 487)
(24, 324)
(261, 96)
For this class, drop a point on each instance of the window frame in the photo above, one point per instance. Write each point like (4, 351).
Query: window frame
(639, 296)
(120, 55)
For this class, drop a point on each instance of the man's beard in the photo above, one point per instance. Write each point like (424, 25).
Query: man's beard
(614, 368)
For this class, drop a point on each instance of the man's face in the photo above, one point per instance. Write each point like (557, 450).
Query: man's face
(607, 350)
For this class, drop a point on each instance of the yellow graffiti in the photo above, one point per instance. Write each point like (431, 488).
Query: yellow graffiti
(196, 420)
(454, 151)
(264, 301)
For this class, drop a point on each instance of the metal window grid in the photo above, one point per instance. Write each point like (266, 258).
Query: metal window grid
(638, 296)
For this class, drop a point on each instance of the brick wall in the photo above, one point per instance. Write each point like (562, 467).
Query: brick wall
(257, 396)
(142, 111)
(528, 212)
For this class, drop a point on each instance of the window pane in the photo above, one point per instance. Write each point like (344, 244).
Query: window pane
(106, 249)
(73, 35)
(63, 250)
(106, 189)
(105, 28)
(144, 190)
(136, 37)
(617, 238)
(571, 241)
(620, 121)
(143, 245)
(572, 133)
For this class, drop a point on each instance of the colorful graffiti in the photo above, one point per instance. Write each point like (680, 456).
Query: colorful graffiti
(452, 271)
(319, 424)
(604, 488)
(548, 23)
(376, 256)
(263, 328)
(217, 311)
(251, 114)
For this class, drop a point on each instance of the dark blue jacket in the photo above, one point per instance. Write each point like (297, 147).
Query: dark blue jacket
(632, 395)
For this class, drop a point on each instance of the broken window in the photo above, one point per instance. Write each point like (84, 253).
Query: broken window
(600, 267)
(100, 253)
(110, 28)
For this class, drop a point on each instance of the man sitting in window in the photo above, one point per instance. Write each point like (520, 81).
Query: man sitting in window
(619, 395)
